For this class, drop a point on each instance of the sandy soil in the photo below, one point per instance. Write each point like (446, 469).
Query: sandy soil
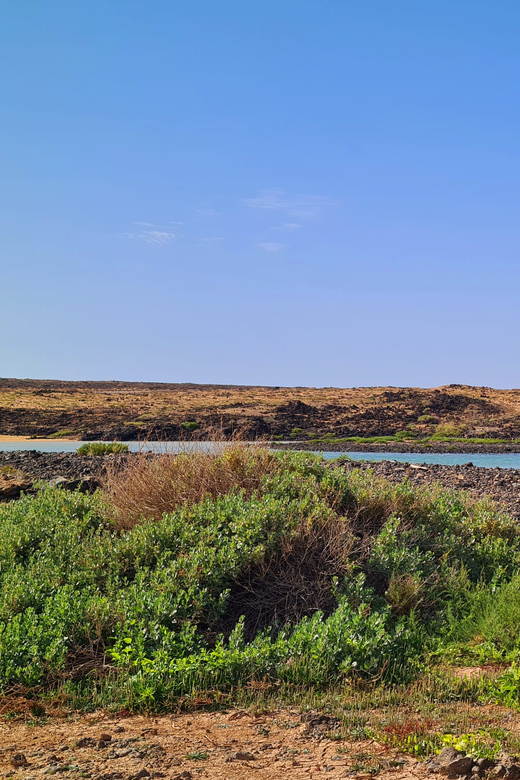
(236, 745)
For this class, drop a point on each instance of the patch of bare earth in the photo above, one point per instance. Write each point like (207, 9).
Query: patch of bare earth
(235, 745)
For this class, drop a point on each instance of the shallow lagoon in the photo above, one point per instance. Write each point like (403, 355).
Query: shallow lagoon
(510, 460)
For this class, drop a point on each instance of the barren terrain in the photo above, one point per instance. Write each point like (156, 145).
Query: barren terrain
(232, 745)
(125, 410)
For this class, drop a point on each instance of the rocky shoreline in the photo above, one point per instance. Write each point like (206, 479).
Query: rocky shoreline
(433, 447)
(500, 484)
(20, 470)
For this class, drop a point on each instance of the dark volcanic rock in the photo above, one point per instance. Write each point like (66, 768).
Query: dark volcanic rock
(21, 469)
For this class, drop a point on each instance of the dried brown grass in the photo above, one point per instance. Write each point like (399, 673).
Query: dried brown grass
(297, 579)
(148, 485)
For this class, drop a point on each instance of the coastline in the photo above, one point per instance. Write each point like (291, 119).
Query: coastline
(433, 447)
(21, 471)
(313, 446)
(4, 438)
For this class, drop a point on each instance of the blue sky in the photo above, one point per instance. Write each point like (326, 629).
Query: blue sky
(289, 192)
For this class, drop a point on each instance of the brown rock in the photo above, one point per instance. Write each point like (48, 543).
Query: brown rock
(452, 762)
(244, 755)
(19, 760)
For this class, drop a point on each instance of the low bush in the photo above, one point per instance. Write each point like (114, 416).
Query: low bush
(190, 425)
(101, 448)
(241, 566)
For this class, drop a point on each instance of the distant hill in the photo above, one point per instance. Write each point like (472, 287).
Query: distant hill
(141, 410)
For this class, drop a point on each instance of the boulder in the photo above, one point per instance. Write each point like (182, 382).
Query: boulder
(453, 763)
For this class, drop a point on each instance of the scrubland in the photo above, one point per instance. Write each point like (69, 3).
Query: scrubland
(352, 416)
(256, 579)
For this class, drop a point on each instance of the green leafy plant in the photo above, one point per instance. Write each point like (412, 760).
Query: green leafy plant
(264, 569)
(190, 425)
(102, 448)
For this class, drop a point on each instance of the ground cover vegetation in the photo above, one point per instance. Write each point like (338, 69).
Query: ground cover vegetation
(151, 411)
(102, 448)
(247, 575)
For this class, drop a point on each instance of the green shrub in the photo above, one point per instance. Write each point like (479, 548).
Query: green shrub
(397, 569)
(297, 433)
(447, 431)
(190, 425)
(101, 448)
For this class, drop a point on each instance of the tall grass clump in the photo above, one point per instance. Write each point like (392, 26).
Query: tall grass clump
(150, 485)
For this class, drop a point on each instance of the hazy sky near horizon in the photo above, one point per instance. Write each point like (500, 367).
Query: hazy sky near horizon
(286, 192)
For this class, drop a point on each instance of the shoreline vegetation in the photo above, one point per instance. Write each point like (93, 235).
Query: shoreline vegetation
(250, 578)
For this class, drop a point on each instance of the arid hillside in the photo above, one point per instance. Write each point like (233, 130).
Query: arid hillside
(127, 410)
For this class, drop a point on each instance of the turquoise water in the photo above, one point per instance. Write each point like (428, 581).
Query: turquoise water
(505, 460)
(60, 445)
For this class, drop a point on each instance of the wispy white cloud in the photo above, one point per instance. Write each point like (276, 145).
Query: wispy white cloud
(158, 227)
(287, 226)
(155, 237)
(300, 206)
(209, 212)
(270, 246)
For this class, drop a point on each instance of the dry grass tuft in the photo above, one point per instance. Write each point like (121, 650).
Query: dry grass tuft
(295, 580)
(148, 485)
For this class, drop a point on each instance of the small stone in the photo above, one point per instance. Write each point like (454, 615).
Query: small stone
(244, 755)
(119, 729)
(105, 737)
(85, 742)
(19, 760)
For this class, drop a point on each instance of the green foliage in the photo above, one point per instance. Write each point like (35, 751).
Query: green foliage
(190, 425)
(101, 448)
(154, 600)
(485, 743)
(447, 431)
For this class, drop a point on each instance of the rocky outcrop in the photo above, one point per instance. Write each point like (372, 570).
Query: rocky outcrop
(453, 764)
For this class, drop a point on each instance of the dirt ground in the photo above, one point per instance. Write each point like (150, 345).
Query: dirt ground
(236, 745)
(126, 410)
